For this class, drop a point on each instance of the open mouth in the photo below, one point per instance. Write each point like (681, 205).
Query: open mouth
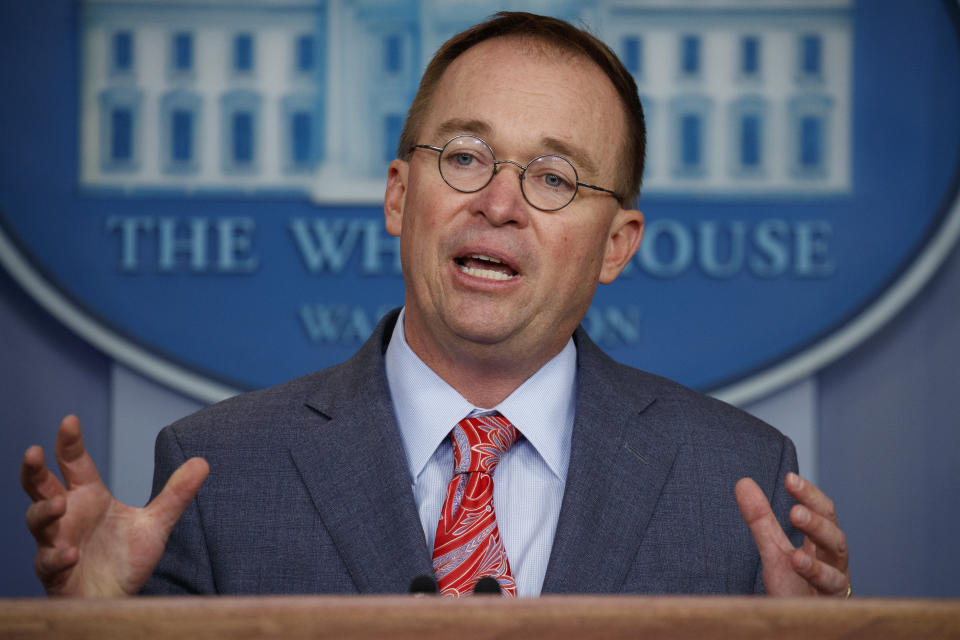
(487, 267)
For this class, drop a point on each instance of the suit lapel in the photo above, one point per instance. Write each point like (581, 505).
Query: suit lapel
(619, 462)
(355, 469)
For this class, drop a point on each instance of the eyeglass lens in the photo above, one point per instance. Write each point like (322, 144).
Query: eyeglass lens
(548, 182)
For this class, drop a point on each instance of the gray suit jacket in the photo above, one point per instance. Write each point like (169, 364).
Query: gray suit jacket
(309, 491)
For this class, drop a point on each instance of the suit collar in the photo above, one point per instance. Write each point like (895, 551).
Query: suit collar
(619, 461)
(353, 465)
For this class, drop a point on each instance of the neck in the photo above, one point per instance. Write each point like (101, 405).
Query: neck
(483, 384)
(485, 375)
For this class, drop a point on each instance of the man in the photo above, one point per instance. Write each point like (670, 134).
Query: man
(520, 155)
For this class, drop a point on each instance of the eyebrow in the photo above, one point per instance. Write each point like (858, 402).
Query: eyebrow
(574, 154)
(548, 144)
(456, 126)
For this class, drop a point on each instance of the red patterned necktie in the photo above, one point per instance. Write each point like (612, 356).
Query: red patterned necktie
(468, 545)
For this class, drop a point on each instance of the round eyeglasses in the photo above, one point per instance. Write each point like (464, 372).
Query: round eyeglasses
(548, 183)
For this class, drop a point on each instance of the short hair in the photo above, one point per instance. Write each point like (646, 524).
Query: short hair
(563, 36)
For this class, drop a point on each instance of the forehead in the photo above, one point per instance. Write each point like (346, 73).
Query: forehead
(527, 98)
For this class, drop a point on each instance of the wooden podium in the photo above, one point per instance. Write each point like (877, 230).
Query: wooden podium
(422, 617)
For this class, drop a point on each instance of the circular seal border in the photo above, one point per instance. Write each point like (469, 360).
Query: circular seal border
(860, 327)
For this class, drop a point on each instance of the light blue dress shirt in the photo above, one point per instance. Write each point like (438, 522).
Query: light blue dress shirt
(528, 482)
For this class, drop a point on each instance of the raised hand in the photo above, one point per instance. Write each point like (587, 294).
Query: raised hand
(821, 565)
(88, 543)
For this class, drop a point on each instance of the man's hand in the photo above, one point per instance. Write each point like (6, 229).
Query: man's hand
(88, 543)
(821, 565)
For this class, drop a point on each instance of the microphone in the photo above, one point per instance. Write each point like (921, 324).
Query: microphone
(487, 586)
(423, 585)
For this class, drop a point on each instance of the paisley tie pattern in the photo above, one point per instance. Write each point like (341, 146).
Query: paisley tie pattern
(468, 545)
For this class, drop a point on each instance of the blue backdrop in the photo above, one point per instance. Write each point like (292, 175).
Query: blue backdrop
(166, 248)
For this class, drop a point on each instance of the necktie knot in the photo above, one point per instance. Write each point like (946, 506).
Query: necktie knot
(479, 441)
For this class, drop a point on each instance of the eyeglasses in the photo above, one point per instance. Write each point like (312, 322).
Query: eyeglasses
(548, 183)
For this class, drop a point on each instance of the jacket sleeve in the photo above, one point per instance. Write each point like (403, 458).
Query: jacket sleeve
(781, 502)
(184, 567)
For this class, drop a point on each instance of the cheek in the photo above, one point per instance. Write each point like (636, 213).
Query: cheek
(416, 221)
(581, 250)
(426, 205)
(424, 239)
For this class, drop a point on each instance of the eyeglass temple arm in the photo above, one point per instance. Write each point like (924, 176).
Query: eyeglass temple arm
(596, 188)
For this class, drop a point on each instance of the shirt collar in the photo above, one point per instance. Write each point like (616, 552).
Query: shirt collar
(427, 408)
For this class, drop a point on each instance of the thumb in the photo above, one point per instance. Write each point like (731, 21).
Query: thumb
(180, 489)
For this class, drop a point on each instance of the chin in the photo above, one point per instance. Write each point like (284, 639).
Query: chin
(482, 329)
(484, 335)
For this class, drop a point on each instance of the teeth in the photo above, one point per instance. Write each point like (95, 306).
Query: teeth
(487, 258)
(483, 273)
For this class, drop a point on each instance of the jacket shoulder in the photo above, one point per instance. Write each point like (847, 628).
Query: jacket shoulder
(299, 403)
(689, 416)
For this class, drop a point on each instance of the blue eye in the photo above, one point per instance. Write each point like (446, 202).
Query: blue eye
(554, 181)
(463, 159)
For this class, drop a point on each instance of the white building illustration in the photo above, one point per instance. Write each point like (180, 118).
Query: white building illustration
(265, 97)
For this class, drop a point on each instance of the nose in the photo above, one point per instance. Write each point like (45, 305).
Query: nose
(501, 202)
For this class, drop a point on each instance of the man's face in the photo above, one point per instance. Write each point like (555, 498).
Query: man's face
(457, 248)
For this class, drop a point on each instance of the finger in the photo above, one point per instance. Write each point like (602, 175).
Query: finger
(76, 465)
(180, 489)
(827, 537)
(825, 578)
(41, 515)
(755, 509)
(36, 478)
(51, 561)
(807, 494)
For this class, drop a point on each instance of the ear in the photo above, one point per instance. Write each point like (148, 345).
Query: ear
(626, 230)
(395, 196)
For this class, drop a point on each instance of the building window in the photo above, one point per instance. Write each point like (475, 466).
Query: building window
(243, 53)
(810, 136)
(182, 52)
(241, 128)
(304, 54)
(301, 132)
(811, 142)
(119, 125)
(392, 53)
(180, 118)
(690, 118)
(690, 136)
(121, 135)
(122, 55)
(182, 142)
(750, 141)
(393, 124)
(750, 56)
(633, 54)
(240, 131)
(811, 55)
(747, 135)
(690, 55)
